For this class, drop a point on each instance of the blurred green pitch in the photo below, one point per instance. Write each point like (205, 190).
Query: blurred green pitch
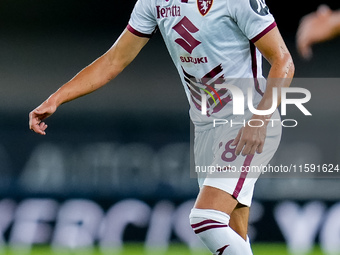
(138, 249)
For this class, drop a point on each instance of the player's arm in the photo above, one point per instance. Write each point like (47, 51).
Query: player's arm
(91, 78)
(319, 26)
(251, 139)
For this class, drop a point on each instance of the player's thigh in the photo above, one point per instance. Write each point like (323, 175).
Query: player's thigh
(207, 146)
(215, 199)
(203, 153)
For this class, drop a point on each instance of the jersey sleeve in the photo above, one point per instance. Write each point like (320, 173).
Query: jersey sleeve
(142, 21)
(252, 17)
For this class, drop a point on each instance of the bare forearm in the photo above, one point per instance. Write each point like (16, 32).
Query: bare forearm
(86, 81)
(91, 78)
(280, 76)
(101, 71)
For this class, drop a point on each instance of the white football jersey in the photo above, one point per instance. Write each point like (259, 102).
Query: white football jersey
(210, 42)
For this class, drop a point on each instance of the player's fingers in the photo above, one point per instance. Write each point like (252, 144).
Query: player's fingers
(42, 126)
(237, 138)
(36, 125)
(253, 150)
(252, 146)
(303, 43)
(239, 147)
(249, 148)
(304, 48)
(39, 128)
(246, 150)
(259, 149)
(30, 124)
(33, 120)
(307, 53)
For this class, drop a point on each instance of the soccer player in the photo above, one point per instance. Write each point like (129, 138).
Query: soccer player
(211, 42)
(316, 27)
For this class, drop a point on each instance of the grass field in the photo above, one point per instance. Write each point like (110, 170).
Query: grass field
(137, 249)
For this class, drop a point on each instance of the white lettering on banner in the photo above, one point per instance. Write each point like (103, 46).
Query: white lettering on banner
(7, 210)
(299, 225)
(81, 223)
(106, 166)
(77, 224)
(45, 168)
(159, 231)
(329, 236)
(256, 214)
(118, 217)
(182, 226)
(32, 222)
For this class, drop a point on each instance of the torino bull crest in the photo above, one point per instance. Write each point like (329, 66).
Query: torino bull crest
(204, 6)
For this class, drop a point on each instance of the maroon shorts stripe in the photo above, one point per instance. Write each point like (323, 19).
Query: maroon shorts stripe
(243, 176)
(135, 32)
(264, 32)
(200, 230)
(196, 225)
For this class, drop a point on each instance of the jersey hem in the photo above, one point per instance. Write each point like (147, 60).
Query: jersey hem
(264, 32)
(137, 33)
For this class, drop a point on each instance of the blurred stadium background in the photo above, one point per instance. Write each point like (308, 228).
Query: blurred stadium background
(114, 166)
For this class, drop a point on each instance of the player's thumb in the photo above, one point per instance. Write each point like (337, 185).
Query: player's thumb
(38, 111)
(323, 10)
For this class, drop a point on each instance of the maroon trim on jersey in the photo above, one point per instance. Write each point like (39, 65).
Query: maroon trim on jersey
(213, 72)
(260, 35)
(253, 56)
(254, 68)
(135, 32)
(243, 176)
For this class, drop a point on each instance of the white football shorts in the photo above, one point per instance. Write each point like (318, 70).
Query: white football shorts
(217, 165)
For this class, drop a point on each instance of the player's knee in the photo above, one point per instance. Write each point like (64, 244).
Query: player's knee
(205, 219)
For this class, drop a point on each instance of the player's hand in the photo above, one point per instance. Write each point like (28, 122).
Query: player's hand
(314, 28)
(40, 113)
(250, 140)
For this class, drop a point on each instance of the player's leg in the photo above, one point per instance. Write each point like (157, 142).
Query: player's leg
(239, 220)
(213, 198)
(211, 219)
(218, 218)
